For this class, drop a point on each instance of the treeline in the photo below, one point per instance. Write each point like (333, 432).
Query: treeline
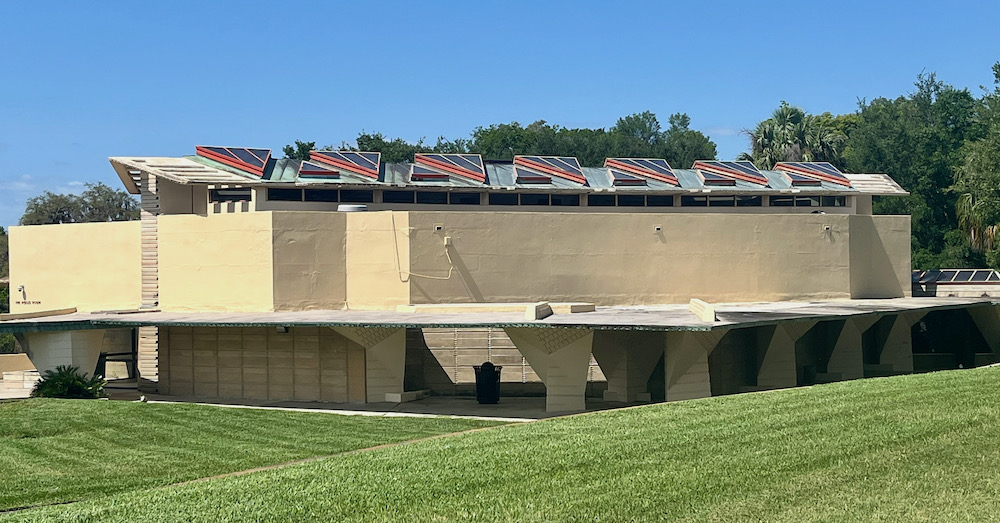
(926, 141)
(637, 135)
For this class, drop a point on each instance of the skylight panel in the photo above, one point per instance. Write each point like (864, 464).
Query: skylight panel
(963, 276)
(797, 179)
(465, 165)
(566, 167)
(250, 160)
(316, 169)
(823, 171)
(623, 178)
(744, 171)
(522, 175)
(651, 168)
(420, 173)
(981, 275)
(946, 276)
(362, 163)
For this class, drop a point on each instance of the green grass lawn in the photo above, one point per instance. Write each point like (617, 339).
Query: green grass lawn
(55, 451)
(923, 447)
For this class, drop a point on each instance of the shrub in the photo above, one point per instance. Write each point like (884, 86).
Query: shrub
(68, 382)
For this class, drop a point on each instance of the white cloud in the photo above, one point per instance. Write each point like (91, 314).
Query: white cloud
(722, 131)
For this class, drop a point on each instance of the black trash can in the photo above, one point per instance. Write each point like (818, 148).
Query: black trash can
(487, 383)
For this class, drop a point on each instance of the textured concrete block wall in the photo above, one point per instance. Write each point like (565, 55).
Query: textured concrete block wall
(303, 364)
(442, 360)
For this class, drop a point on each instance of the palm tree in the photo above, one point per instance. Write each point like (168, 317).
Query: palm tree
(977, 183)
(791, 135)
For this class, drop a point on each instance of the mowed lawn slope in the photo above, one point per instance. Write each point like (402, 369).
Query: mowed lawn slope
(923, 447)
(55, 451)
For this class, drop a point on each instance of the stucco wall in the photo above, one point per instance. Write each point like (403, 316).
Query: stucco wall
(378, 259)
(216, 262)
(622, 259)
(90, 266)
(880, 256)
(309, 260)
(286, 260)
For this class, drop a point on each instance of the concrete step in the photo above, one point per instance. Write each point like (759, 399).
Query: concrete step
(403, 397)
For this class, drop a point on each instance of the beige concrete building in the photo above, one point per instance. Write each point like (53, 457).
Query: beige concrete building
(345, 279)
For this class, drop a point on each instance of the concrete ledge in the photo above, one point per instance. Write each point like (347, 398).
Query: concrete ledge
(704, 310)
(537, 311)
(39, 314)
(403, 397)
(458, 308)
(20, 380)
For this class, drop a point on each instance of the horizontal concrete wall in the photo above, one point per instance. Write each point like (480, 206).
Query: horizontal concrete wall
(284, 260)
(90, 266)
(633, 259)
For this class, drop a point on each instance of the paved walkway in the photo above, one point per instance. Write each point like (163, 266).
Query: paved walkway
(510, 409)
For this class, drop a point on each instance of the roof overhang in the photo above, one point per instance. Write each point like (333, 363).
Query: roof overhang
(178, 170)
(650, 318)
(876, 184)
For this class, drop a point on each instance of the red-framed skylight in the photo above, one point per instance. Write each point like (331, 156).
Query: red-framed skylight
(744, 171)
(823, 171)
(624, 178)
(316, 169)
(522, 175)
(362, 163)
(420, 173)
(566, 167)
(242, 158)
(799, 180)
(465, 165)
(652, 168)
(712, 179)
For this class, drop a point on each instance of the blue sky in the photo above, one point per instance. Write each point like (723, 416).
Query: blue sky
(81, 82)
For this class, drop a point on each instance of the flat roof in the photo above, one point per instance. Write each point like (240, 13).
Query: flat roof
(499, 176)
(649, 318)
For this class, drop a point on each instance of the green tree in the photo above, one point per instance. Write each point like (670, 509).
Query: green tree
(919, 140)
(6, 340)
(393, 151)
(977, 180)
(635, 135)
(300, 151)
(4, 256)
(642, 127)
(792, 135)
(98, 203)
(682, 146)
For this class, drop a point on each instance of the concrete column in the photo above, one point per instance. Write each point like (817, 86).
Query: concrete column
(686, 366)
(561, 358)
(385, 358)
(987, 320)
(898, 348)
(627, 359)
(47, 350)
(848, 358)
(778, 369)
(147, 359)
